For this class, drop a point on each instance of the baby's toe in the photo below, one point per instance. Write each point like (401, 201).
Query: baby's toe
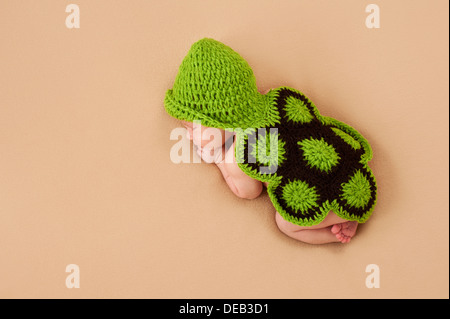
(336, 228)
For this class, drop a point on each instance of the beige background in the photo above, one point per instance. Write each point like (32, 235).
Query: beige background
(86, 177)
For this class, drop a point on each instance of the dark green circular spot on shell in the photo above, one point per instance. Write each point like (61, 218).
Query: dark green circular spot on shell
(319, 154)
(347, 138)
(356, 192)
(269, 150)
(297, 111)
(299, 196)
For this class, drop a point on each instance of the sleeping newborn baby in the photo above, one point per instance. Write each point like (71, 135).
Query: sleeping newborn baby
(314, 167)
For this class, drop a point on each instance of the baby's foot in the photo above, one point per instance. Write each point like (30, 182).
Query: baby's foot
(344, 231)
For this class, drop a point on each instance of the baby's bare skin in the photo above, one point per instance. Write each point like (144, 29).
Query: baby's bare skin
(213, 150)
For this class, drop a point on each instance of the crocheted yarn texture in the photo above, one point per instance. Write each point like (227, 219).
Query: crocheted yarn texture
(313, 163)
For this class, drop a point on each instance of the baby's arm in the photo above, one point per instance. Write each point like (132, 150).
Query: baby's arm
(240, 184)
(214, 151)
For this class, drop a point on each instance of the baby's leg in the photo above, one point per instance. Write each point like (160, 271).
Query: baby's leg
(330, 230)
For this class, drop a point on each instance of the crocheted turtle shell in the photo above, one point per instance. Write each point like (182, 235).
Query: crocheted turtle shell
(313, 164)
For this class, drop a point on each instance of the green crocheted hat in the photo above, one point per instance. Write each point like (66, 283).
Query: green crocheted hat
(216, 86)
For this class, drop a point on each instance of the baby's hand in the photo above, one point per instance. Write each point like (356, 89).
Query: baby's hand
(208, 142)
(210, 137)
(210, 155)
